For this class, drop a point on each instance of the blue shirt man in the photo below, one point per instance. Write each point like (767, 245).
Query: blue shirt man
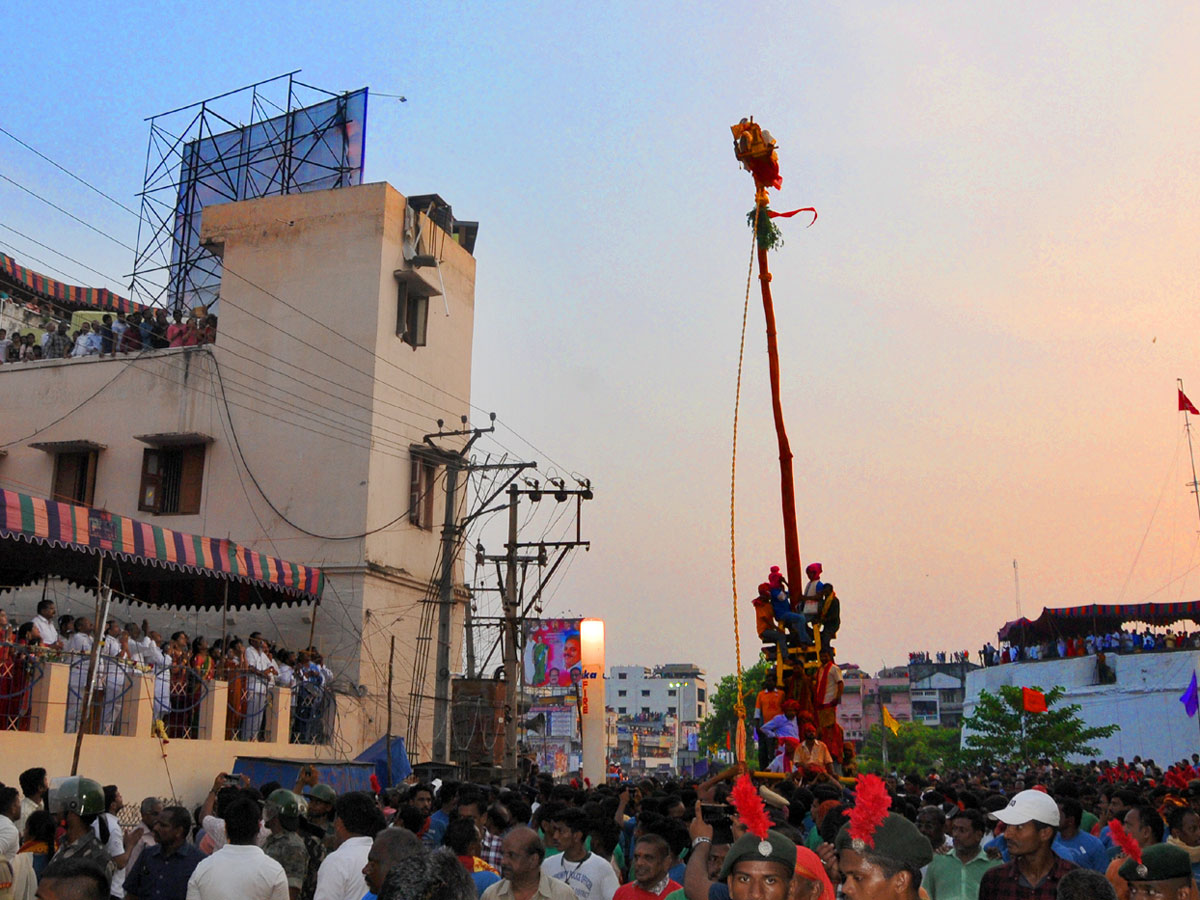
(161, 872)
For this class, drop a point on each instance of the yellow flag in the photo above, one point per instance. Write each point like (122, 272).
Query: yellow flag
(889, 722)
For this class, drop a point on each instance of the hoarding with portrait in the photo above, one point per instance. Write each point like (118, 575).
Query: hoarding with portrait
(552, 654)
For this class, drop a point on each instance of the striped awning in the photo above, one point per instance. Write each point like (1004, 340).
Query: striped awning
(155, 565)
(1096, 618)
(65, 294)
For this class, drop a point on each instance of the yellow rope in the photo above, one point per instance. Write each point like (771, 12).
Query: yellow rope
(740, 706)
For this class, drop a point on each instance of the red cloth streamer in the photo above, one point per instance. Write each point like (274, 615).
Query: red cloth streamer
(813, 210)
(1185, 405)
(1125, 841)
(871, 805)
(750, 807)
(1033, 700)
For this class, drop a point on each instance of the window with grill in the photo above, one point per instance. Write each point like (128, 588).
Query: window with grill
(172, 479)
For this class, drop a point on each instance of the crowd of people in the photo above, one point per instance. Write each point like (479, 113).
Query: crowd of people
(1122, 641)
(181, 667)
(941, 656)
(113, 334)
(1093, 832)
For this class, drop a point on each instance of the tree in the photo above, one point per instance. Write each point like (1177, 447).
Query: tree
(721, 706)
(1001, 731)
(915, 748)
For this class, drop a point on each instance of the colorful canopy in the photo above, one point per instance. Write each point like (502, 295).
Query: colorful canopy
(155, 565)
(1096, 618)
(65, 294)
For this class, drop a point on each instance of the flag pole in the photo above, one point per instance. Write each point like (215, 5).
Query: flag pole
(1187, 424)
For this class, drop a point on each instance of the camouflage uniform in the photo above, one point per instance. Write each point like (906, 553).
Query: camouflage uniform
(315, 853)
(287, 848)
(87, 847)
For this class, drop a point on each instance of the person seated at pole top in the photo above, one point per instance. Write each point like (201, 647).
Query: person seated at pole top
(812, 588)
(1164, 874)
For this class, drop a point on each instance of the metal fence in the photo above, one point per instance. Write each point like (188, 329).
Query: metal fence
(313, 712)
(179, 692)
(106, 714)
(20, 670)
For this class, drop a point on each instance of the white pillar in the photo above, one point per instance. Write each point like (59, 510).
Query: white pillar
(591, 652)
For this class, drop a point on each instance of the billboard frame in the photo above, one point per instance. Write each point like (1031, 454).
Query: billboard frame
(170, 266)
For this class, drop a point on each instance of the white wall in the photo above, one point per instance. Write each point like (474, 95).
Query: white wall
(1144, 702)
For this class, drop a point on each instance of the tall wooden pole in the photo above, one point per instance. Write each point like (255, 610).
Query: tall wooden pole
(791, 540)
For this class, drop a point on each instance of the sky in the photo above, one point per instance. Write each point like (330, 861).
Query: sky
(980, 336)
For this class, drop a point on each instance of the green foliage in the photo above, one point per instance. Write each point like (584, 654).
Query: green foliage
(722, 702)
(769, 235)
(916, 748)
(1001, 731)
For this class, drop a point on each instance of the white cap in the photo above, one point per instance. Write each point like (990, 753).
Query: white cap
(1029, 806)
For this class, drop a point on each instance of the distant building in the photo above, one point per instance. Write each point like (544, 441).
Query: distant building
(656, 716)
(865, 696)
(675, 689)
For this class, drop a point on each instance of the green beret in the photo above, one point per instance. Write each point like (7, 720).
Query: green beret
(897, 838)
(1161, 862)
(751, 846)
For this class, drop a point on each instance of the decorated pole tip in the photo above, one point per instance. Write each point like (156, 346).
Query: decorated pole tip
(755, 150)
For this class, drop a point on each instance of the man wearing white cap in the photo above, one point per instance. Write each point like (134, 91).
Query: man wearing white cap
(1031, 819)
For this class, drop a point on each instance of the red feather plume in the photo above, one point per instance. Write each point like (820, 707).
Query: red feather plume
(750, 807)
(1122, 839)
(871, 805)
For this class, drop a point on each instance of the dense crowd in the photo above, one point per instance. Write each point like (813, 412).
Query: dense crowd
(1122, 641)
(1094, 832)
(181, 667)
(149, 330)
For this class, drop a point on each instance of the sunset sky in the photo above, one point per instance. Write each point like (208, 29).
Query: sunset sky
(980, 336)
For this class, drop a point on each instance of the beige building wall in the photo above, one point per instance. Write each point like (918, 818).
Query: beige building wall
(311, 401)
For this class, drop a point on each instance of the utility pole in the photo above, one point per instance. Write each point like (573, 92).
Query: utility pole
(514, 616)
(513, 693)
(455, 462)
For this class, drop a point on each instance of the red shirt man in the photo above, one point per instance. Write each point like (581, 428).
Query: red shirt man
(651, 865)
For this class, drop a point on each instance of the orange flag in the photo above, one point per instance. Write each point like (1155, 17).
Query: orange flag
(1033, 700)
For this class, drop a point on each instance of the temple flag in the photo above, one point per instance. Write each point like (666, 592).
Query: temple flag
(1185, 405)
(889, 721)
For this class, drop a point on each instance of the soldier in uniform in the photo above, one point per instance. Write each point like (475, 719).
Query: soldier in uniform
(76, 803)
(1165, 873)
(281, 815)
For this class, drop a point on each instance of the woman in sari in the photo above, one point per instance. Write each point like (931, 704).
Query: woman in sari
(10, 704)
(235, 675)
(202, 668)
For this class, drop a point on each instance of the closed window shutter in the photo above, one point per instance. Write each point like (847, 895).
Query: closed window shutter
(191, 479)
(414, 493)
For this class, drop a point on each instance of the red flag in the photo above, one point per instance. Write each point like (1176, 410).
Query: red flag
(1185, 405)
(728, 741)
(1033, 700)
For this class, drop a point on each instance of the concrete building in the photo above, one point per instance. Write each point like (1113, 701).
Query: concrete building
(299, 432)
(865, 695)
(676, 689)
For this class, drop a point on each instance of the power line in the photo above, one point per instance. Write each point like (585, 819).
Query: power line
(67, 171)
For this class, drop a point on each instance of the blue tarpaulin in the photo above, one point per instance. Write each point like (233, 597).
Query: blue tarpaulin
(342, 776)
(377, 754)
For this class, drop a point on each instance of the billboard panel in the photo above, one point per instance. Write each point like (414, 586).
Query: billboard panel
(552, 654)
(313, 148)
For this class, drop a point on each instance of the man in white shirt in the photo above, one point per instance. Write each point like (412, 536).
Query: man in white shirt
(258, 680)
(357, 819)
(590, 876)
(115, 656)
(10, 810)
(87, 343)
(79, 645)
(240, 869)
(43, 624)
(35, 787)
